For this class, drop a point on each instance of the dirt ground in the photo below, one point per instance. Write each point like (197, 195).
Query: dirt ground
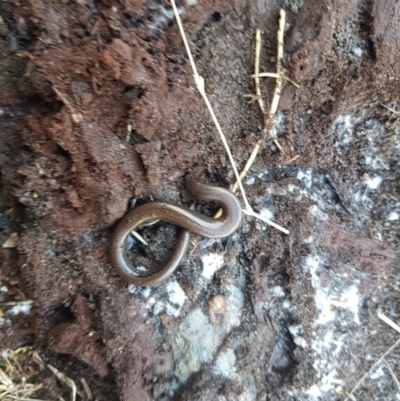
(98, 112)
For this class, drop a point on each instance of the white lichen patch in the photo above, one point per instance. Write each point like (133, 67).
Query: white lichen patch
(278, 291)
(333, 297)
(176, 298)
(375, 145)
(328, 299)
(377, 373)
(211, 263)
(327, 383)
(357, 51)
(168, 298)
(305, 176)
(309, 240)
(318, 213)
(23, 307)
(267, 213)
(315, 187)
(343, 128)
(161, 17)
(350, 300)
(250, 181)
(296, 332)
(279, 124)
(286, 304)
(373, 183)
(225, 364)
(393, 216)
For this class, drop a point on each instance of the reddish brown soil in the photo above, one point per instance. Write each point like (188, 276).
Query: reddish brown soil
(75, 74)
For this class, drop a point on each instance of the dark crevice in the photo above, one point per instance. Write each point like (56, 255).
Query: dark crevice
(216, 17)
(59, 314)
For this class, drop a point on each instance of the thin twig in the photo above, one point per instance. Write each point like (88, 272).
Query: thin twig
(389, 322)
(199, 81)
(372, 367)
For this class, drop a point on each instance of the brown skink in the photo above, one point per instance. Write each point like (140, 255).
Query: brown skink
(187, 219)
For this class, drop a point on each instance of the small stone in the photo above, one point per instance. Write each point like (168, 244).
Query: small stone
(12, 241)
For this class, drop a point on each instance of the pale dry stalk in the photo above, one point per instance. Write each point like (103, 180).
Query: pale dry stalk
(199, 81)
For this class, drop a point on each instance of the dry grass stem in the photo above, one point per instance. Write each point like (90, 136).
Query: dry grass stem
(390, 109)
(128, 132)
(38, 359)
(251, 96)
(265, 220)
(76, 117)
(275, 75)
(243, 173)
(389, 322)
(39, 167)
(264, 74)
(257, 70)
(259, 98)
(391, 373)
(18, 398)
(15, 303)
(295, 84)
(199, 81)
(64, 379)
(139, 237)
(290, 160)
(17, 370)
(268, 120)
(371, 368)
(86, 387)
(16, 363)
(278, 83)
(13, 385)
(248, 164)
